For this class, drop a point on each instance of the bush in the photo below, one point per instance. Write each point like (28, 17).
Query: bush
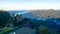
(42, 30)
(5, 29)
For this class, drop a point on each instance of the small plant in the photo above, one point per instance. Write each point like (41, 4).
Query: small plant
(5, 29)
(42, 30)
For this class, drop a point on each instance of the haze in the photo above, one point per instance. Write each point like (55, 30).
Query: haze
(29, 4)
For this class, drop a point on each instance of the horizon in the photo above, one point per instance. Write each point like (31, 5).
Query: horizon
(29, 4)
(26, 9)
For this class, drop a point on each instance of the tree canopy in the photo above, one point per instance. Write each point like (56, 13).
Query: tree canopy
(4, 18)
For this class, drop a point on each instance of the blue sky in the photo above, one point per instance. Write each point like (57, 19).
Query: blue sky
(29, 4)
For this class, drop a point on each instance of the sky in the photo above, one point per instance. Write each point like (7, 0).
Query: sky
(29, 4)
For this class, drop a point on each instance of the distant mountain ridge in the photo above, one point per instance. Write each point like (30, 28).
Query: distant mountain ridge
(25, 14)
(46, 13)
(38, 13)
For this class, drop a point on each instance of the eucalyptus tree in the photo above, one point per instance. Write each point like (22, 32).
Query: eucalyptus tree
(4, 18)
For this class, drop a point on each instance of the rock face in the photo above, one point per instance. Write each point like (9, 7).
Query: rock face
(25, 30)
(46, 13)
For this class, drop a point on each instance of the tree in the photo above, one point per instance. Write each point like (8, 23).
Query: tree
(4, 18)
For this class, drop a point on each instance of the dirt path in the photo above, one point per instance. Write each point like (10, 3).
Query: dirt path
(25, 30)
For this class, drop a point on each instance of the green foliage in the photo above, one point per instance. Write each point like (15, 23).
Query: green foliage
(4, 18)
(42, 30)
(5, 30)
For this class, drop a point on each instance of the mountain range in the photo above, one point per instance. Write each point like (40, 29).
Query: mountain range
(46, 13)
